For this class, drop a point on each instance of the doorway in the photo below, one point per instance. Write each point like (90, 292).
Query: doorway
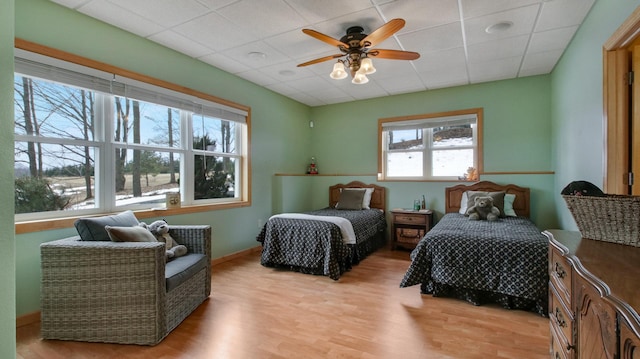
(622, 108)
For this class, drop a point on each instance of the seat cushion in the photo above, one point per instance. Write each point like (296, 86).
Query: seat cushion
(182, 268)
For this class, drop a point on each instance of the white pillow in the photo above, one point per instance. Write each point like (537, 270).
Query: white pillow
(463, 204)
(508, 205)
(366, 200)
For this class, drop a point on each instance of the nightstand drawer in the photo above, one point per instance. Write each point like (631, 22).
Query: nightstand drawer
(409, 218)
(409, 235)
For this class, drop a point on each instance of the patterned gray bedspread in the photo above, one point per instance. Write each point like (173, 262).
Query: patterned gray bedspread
(507, 257)
(316, 247)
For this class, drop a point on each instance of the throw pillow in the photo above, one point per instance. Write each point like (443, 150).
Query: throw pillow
(130, 234)
(508, 205)
(366, 200)
(350, 200)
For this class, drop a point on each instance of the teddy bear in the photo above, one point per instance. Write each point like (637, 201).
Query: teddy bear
(483, 208)
(160, 229)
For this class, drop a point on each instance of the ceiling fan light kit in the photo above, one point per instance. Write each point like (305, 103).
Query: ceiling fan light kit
(367, 66)
(356, 52)
(360, 78)
(338, 72)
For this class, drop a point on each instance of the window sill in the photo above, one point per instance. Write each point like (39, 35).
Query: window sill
(67, 222)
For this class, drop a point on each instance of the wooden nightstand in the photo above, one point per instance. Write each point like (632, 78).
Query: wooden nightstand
(410, 226)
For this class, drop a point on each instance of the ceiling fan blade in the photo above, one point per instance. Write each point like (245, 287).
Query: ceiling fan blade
(382, 33)
(321, 59)
(393, 54)
(326, 38)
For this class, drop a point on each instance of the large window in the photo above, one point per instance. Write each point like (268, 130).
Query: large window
(91, 142)
(442, 146)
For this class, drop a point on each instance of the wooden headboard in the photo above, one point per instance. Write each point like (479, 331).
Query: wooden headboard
(378, 197)
(453, 195)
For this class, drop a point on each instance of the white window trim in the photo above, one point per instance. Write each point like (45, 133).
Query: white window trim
(426, 122)
(105, 197)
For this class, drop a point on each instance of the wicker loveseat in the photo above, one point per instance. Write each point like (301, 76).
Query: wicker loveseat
(122, 292)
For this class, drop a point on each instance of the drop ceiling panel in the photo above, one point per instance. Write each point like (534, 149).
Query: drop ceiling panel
(521, 20)
(256, 55)
(497, 49)
(540, 62)
(185, 45)
(475, 8)
(321, 11)
(500, 69)
(433, 39)
(401, 84)
(166, 13)
(263, 18)
(436, 61)
(224, 32)
(556, 39)
(420, 14)
(215, 32)
(562, 13)
(225, 63)
(120, 17)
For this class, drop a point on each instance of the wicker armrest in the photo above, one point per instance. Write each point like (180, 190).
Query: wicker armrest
(101, 263)
(103, 291)
(197, 238)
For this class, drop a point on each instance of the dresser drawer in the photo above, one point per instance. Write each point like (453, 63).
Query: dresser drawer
(558, 350)
(409, 235)
(560, 274)
(560, 316)
(408, 218)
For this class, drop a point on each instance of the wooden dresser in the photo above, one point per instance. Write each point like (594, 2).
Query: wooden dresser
(594, 298)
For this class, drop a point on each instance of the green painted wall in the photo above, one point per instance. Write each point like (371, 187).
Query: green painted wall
(516, 117)
(280, 130)
(577, 111)
(7, 238)
(517, 138)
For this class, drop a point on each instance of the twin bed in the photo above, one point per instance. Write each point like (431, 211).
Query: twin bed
(502, 261)
(323, 246)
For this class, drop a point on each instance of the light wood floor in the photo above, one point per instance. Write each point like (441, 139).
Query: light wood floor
(258, 312)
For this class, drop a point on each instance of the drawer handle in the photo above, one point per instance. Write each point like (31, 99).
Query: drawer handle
(560, 318)
(560, 272)
(410, 234)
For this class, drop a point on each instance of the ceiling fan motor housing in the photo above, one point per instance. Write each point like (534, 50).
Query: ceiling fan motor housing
(353, 37)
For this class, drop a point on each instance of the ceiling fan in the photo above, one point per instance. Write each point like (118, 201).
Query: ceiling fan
(356, 48)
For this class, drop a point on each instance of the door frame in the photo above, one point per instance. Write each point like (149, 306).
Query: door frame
(615, 56)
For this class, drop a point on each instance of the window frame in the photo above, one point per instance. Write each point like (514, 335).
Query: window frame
(65, 219)
(427, 139)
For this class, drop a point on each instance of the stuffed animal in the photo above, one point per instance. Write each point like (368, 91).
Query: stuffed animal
(483, 208)
(160, 229)
(582, 188)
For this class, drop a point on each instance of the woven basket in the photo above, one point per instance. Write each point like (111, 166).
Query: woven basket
(612, 218)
